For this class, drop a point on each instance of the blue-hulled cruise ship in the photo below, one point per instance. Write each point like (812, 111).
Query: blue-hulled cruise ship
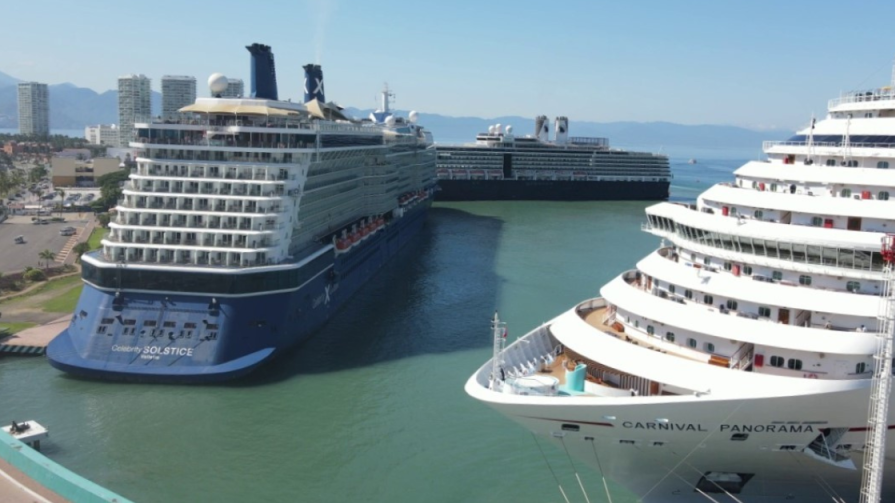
(245, 225)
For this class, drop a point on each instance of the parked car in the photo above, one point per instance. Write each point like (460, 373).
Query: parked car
(20, 240)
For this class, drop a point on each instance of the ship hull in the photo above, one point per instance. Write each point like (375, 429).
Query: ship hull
(207, 338)
(550, 190)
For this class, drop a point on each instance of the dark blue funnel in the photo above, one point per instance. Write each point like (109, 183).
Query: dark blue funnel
(264, 72)
(313, 83)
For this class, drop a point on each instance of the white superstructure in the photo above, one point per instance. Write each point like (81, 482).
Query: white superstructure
(735, 362)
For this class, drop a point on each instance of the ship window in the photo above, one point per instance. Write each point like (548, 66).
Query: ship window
(731, 304)
(627, 442)
(817, 221)
(707, 261)
(149, 323)
(794, 364)
(189, 325)
(709, 347)
(733, 210)
(671, 288)
(860, 368)
(776, 361)
(650, 329)
(636, 323)
(102, 329)
(804, 280)
(853, 286)
(831, 162)
(658, 444)
(688, 294)
(708, 299)
(107, 321)
(777, 275)
(691, 342)
(169, 324)
(747, 270)
(570, 427)
(851, 164)
(693, 257)
(883, 195)
(882, 165)
(754, 184)
(773, 187)
(669, 336)
(787, 447)
(764, 312)
(845, 193)
(739, 437)
(759, 214)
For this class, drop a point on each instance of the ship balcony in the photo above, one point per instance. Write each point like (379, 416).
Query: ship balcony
(201, 222)
(222, 170)
(214, 157)
(194, 240)
(189, 256)
(190, 206)
(192, 189)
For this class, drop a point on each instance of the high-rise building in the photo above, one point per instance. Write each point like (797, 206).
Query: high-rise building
(134, 104)
(34, 109)
(102, 134)
(234, 89)
(178, 91)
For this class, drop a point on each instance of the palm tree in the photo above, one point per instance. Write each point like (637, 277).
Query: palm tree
(38, 192)
(61, 193)
(80, 249)
(47, 256)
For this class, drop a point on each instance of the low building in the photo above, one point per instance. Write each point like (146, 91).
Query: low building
(71, 172)
(102, 134)
(13, 148)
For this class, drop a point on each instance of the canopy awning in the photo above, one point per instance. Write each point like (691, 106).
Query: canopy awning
(232, 108)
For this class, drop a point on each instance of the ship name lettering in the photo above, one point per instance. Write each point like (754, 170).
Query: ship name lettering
(732, 428)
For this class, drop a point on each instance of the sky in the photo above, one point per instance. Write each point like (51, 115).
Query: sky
(757, 64)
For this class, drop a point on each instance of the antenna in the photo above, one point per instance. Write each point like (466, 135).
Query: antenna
(386, 94)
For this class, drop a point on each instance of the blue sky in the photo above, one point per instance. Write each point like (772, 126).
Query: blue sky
(751, 63)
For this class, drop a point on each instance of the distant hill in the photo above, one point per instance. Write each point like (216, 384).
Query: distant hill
(73, 107)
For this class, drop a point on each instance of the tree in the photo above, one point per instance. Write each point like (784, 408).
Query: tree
(80, 249)
(38, 192)
(104, 219)
(47, 256)
(61, 193)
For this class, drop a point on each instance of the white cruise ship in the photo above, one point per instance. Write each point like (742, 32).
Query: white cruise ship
(735, 362)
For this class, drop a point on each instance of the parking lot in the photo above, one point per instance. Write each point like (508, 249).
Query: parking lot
(15, 257)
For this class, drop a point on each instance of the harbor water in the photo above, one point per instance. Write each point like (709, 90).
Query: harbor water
(372, 408)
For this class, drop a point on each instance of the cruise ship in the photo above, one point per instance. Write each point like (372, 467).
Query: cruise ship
(501, 166)
(246, 224)
(736, 361)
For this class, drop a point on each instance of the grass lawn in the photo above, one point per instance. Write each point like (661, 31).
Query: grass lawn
(49, 286)
(96, 236)
(64, 303)
(13, 328)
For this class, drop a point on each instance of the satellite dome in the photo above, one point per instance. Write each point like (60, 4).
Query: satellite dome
(497, 129)
(491, 129)
(217, 84)
(390, 120)
(413, 116)
(509, 129)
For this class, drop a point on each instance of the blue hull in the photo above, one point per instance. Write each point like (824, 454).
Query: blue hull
(166, 337)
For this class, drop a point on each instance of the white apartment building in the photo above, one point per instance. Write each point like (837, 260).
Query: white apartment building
(234, 89)
(178, 91)
(102, 134)
(134, 104)
(34, 108)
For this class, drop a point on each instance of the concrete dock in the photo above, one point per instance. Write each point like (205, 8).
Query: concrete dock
(34, 340)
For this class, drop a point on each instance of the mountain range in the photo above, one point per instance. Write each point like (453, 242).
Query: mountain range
(73, 107)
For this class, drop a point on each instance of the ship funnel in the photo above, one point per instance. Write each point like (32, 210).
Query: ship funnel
(562, 130)
(264, 72)
(542, 128)
(314, 83)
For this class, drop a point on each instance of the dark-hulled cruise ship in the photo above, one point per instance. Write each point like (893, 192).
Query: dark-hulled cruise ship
(245, 225)
(501, 166)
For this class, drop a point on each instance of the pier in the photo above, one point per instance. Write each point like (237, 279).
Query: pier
(33, 341)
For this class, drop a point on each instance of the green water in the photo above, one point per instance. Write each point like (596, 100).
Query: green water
(372, 408)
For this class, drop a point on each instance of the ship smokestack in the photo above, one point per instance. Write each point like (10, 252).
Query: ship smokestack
(314, 83)
(542, 128)
(264, 72)
(561, 130)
